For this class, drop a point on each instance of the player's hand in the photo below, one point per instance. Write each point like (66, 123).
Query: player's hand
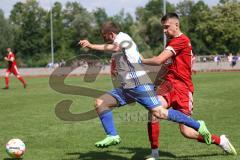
(85, 44)
(6, 58)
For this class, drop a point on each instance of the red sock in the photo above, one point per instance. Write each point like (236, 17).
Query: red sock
(6, 81)
(215, 139)
(153, 134)
(22, 80)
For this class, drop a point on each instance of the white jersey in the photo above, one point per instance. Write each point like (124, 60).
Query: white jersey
(128, 63)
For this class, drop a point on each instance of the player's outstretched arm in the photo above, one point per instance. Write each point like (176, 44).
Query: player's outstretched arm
(154, 61)
(101, 47)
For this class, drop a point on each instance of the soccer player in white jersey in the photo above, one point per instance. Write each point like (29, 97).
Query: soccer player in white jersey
(135, 86)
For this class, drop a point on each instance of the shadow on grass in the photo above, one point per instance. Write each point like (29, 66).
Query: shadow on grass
(142, 153)
(94, 155)
(137, 154)
(200, 156)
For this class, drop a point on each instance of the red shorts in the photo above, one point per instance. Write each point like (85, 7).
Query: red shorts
(179, 99)
(13, 70)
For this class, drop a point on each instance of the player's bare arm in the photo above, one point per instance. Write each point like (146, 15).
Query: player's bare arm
(154, 61)
(9, 59)
(6, 58)
(101, 47)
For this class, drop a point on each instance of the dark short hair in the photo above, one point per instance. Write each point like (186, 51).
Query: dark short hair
(110, 27)
(168, 16)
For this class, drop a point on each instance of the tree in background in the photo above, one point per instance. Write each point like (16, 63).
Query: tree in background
(149, 25)
(213, 30)
(192, 15)
(79, 24)
(223, 28)
(29, 28)
(6, 36)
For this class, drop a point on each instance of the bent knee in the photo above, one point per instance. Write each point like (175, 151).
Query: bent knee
(98, 103)
(101, 105)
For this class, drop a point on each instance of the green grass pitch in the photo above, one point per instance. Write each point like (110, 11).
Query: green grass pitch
(29, 114)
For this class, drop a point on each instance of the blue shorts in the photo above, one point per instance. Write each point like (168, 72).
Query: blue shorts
(143, 94)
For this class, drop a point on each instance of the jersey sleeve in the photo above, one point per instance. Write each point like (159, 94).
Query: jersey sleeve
(10, 56)
(176, 45)
(124, 40)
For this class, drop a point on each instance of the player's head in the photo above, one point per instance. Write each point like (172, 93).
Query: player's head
(109, 30)
(9, 49)
(171, 25)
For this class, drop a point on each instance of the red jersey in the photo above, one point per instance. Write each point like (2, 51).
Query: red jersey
(180, 65)
(113, 67)
(10, 63)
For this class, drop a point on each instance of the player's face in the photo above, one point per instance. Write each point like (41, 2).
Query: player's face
(170, 27)
(108, 37)
(8, 49)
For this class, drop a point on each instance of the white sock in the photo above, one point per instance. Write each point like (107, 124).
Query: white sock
(222, 140)
(155, 153)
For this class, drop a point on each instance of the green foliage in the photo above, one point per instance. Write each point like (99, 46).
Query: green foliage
(150, 28)
(125, 21)
(6, 36)
(227, 27)
(29, 28)
(192, 16)
(211, 30)
(100, 16)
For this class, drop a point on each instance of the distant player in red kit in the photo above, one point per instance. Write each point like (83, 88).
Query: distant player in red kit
(12, 68)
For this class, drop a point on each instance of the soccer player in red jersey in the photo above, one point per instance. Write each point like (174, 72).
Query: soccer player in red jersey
(177, 58)
(12, 68)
